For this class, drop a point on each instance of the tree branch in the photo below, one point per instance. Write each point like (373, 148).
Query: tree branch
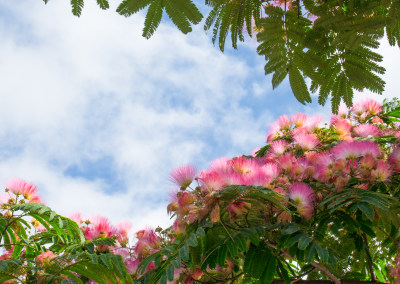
(325, 270)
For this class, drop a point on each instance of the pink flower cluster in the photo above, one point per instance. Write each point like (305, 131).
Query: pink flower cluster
(297, 155)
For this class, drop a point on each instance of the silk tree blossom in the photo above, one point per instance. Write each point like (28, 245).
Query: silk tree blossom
(45, 257)
(278, 147)
(299, 119)
(123, 229)
(243, 165)
(210, 181)
(304, 197)
(283, 123)
(21, 187)
(369, 106)
(147, 240)
(355, 149)
(183, 175)
(382, 171)
(365, 130)
(306, 141)
(394, 158)
(100, 227)
(220, 165)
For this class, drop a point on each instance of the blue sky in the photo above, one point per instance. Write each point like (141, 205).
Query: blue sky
(98, 116)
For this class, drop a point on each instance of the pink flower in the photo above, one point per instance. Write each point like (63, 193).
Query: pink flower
(365, 130)
(304, 197)
(368, 106)
(355, 149)
(100, 227)
(19, 186)
(243, 165)
(394, 159)
(299, 119)
(123, 229)
(313, 122)
(183, 175)
(306, 141)
(278, 147)
(220, 165)
(272, 170)
(342, 126)
(147, 240)
(45, 257)
(211, 181)
(382, 171)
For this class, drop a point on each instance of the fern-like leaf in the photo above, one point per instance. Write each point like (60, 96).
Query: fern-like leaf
(77, 6)
(153, 18)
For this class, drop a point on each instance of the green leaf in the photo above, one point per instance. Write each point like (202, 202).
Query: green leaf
(304, 242)
(153, 18)
(298, 85)
(269, 272)
(322, 253)
(184, 252)
(77, 6)
(103, 4)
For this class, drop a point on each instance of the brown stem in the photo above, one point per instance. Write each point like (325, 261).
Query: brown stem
(222, 281)
(317, 265)
(326, 271)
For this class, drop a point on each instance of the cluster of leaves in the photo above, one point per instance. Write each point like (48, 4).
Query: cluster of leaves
(68, 256)
(352, 235)
(329, 42)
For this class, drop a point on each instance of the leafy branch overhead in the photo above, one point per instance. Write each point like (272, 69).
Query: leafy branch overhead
(324, 47)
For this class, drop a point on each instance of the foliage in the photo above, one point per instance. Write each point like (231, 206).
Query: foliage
(316, 202)
(330, 43)
(40, 246)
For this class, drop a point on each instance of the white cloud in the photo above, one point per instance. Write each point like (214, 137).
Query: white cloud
(78, 90)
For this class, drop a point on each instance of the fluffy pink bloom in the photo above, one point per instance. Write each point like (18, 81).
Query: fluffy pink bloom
(304, 198)
(231, 178)
(220, 165)
(394, 159)
(283, 123)
(286, 161)
(313, 122)
(149, 236)
(100, 227)
(365, 130)
(342, 126)
(186, 199)
(147, 240)
(19, 186)
(211, 181)
(306, 141)
(382, 171)
(123, 229)
(131, 264)
(183, 175)
(76, 217)
(45, 257)
(243, 165)
(278, 147)
(355, 149)
(368, 106)
(272, 170)
(299, 119)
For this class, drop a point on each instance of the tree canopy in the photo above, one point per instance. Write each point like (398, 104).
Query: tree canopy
(325, 47)
(316, 202)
